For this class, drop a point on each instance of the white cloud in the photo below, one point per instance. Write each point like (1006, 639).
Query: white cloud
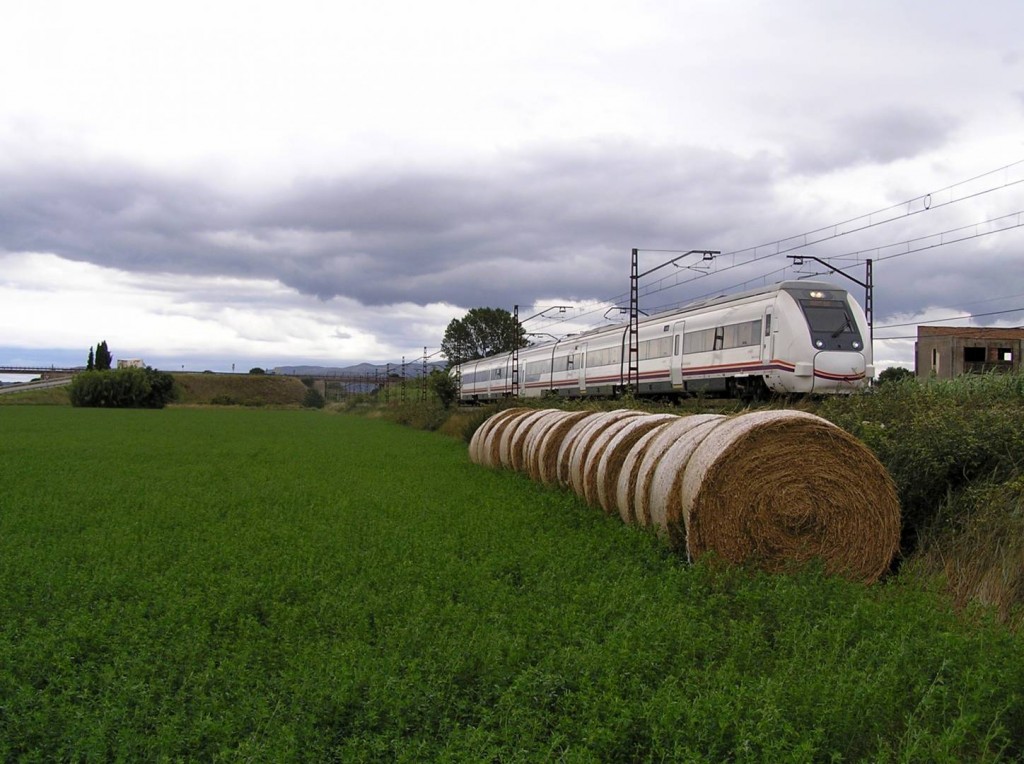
(338, 179)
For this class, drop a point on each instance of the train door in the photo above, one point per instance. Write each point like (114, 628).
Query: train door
(506, 388)
(767, 337)
(579, 356)
(677, 353)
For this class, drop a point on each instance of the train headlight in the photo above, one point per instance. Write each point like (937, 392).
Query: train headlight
(819, 344)
(856, 345)
(817, 295)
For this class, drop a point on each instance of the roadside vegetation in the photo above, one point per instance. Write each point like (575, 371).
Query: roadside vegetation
(271, 584)
(954, 448)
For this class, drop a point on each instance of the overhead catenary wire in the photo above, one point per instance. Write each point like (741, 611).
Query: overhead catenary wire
(952, 194)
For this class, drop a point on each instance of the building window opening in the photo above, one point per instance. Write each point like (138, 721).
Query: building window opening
(974, 355)
(1005, 355)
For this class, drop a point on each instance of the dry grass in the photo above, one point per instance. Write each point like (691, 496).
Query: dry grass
(239, 390)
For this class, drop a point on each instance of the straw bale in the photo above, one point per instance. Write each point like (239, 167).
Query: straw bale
(536, 438)
(510, 434)
(480, 437)
(492, 445)
(524, 432)
(549, 448)
(781, 487)
(585, 442)
(601, 474)
(625, 485)
(664, 504)
(655, 451)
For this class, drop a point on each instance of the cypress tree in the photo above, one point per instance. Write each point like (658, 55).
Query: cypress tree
(103, 357)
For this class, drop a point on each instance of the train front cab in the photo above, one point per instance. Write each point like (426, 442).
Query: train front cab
(829, 346)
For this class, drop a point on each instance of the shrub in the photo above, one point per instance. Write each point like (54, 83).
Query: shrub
(977, 544)
(122, 388)
(937, 439)
(894, 374)
(313, 399)
(445, 387)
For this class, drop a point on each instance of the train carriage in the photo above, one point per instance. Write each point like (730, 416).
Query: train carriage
(793, 337)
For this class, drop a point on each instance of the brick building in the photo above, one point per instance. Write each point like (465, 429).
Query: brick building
(945, 352)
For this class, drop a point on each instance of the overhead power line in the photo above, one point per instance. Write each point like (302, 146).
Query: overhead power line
(951, 318)
(1013, 174)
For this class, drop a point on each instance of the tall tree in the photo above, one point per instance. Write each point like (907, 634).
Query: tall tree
(103, 357)
(480, 333)
(90, 364)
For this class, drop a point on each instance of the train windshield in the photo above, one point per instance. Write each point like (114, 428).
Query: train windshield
(828, 316)
(831, 320)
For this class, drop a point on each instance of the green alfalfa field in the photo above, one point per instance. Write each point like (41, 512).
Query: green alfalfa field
(268, 585)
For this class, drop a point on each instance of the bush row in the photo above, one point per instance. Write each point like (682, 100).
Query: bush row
(123, 388)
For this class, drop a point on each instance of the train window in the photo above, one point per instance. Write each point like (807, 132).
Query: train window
(744, 334)
(831, 316)
(496, 374)
(699, 341)
(606, 357)
(767, 324)
(537, 369)
(659, 348)
(675, 348)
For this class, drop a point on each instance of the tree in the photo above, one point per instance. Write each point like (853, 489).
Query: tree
(103, 358)
(90, 365)
(894, 374)
(445, 387)
(480, 333)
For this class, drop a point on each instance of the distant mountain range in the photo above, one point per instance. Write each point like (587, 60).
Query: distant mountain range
(413, 369)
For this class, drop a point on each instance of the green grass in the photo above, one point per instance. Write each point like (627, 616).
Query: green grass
(278, 585)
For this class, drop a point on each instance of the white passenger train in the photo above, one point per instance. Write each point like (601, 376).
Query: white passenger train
(792, 337)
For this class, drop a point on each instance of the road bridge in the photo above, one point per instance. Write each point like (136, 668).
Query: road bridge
(45, 372)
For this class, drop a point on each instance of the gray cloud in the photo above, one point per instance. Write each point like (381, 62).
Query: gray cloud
(558, 223)
(484, 235)
(879, 136)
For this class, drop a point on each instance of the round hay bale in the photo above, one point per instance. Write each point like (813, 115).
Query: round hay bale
(586, 441)
(782, 487)
(625, 486)
(549, 448)
(492, 445)
(655, 450)
(477, 450)
(527, 427)
(509, 435)
(591, 459)
(664, 503)
(476, 442)
(604, 474)
(535, 439)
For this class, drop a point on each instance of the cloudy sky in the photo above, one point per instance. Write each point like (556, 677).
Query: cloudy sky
(268, 183)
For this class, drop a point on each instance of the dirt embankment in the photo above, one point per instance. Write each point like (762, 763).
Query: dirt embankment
(238, 390)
